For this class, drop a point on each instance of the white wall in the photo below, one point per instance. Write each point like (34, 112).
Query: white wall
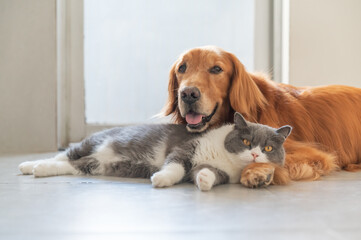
(325, 42)
(130, 46)
(27, 76)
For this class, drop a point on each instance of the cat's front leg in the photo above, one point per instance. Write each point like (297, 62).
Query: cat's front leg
(170, 174)
(205, 177)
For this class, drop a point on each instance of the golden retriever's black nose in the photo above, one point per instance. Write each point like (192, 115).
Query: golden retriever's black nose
(190, 95)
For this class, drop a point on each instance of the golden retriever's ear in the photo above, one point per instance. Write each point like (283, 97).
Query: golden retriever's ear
(172, 100)
(171, 106)
(245, 96)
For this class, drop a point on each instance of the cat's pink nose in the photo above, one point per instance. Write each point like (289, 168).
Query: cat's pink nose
(255, 155)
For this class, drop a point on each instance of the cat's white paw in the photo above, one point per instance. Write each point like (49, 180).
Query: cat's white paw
(205, 179)
(45, 169)
(27, 167)
(161, 179)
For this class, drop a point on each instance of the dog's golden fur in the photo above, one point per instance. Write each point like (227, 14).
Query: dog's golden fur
(326, 120)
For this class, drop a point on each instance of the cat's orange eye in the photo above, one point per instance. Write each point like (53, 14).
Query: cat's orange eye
(268, 148)
(246, 142)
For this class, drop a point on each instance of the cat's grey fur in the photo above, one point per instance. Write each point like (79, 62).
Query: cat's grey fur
(136, 145)
(168, 153)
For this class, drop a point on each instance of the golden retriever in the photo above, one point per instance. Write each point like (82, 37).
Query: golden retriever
(207, 85)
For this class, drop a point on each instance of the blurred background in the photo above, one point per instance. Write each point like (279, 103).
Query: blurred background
(69, 68)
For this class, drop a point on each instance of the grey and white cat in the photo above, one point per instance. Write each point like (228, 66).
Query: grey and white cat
(169, 154)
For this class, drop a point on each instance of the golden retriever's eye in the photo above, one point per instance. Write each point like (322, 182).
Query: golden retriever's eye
(268, 148)
(216, 69)
(182, 68)
(246, 142)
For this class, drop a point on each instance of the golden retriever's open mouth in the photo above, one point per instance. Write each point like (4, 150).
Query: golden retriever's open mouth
(197, 121)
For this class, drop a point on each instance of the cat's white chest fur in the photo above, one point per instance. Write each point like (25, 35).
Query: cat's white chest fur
(211, 150)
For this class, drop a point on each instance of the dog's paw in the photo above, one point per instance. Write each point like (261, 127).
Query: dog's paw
(44, 169)
(26, 168)
(205, 179)
(257, 177)
(161, 179)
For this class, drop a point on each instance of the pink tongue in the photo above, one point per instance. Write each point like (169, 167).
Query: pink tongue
(192, 118)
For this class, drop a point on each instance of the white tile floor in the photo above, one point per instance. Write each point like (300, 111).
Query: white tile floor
(73, 207)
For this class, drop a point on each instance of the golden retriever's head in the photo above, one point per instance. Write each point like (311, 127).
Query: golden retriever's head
(206, 86)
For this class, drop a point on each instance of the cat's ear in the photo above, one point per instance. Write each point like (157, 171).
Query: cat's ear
(239, 120)
(284, 131)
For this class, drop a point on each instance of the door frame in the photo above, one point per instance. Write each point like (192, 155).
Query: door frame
(70, 75)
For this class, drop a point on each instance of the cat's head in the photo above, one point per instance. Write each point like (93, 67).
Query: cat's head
(256, 142)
